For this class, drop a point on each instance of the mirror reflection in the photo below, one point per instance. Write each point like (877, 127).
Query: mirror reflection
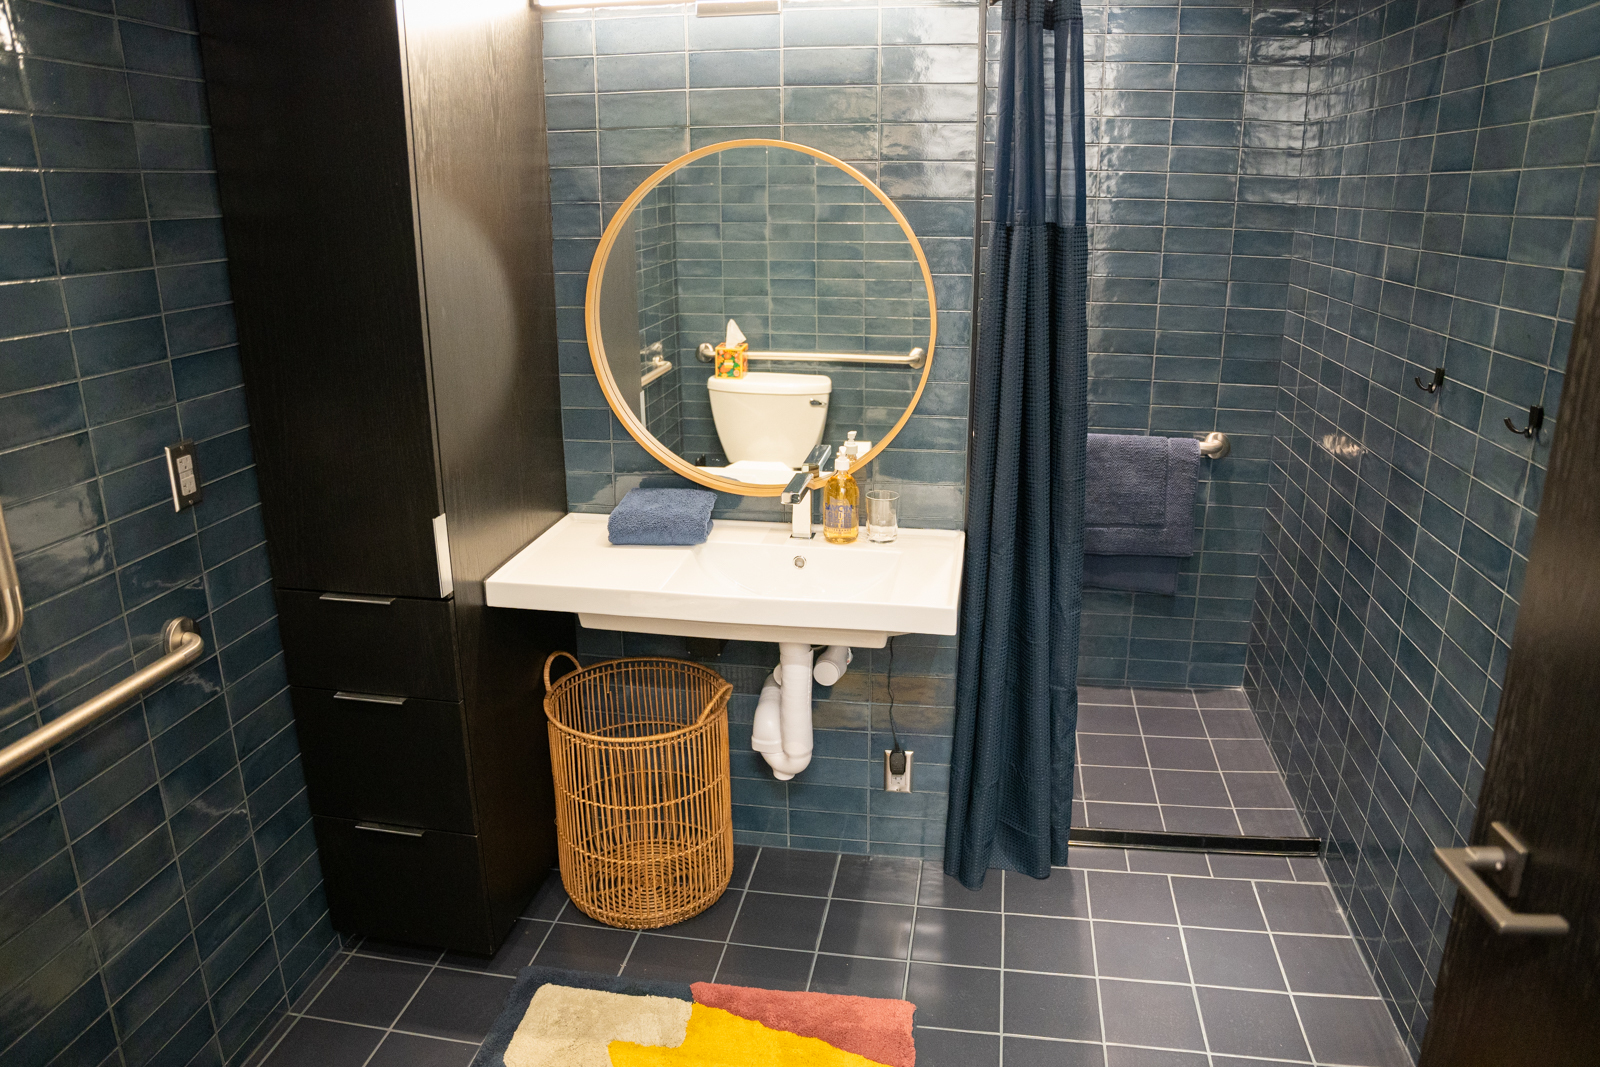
(756, 302)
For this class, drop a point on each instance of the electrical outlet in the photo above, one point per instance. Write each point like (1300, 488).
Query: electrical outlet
(183, 475)
(896, 783)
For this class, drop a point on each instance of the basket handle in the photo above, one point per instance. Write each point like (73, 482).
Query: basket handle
(552, 658)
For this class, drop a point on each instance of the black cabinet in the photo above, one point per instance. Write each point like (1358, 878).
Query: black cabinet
(385, 199)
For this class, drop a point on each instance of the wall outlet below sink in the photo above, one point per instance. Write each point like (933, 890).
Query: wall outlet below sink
(892, 782)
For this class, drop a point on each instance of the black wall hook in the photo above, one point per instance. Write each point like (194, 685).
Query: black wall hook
(1438, 380)
(1535, 420)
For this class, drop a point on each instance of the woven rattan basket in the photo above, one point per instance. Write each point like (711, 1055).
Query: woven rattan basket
(639, 748)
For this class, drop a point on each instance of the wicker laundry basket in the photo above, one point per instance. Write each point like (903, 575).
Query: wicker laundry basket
(644, 819)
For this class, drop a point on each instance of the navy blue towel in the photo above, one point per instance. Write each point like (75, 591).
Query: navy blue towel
(1134, 574)
(662, 517)
(1139, 495)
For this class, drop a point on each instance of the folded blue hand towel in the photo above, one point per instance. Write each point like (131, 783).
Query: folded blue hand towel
(662, 517)
(1133, 574)
(1139, 495)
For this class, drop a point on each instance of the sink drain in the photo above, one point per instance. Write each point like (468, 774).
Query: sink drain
(799, 561)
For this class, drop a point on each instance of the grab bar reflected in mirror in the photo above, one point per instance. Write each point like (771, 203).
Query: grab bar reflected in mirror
(10, 594)
(915, 358)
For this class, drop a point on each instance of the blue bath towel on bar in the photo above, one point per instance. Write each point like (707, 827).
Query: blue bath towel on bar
(1139, 511)
(662, 517)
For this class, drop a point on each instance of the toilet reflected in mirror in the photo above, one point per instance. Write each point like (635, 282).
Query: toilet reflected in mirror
(816, 268)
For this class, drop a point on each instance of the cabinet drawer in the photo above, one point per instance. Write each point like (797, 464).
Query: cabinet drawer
(384, 759)
(392, 645)
(422, 887)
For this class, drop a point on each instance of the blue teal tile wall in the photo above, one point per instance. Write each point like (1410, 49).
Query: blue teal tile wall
(893, 90)
(1194, 114)
(159, 887)
(1451, 171)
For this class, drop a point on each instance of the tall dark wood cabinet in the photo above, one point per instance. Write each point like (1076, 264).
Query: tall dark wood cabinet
(385, 197)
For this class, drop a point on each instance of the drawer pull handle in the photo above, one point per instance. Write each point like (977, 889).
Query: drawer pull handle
(380, 828)
(357, 598)
(369, 698)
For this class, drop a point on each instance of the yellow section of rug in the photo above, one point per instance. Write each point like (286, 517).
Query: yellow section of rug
(566, 1027)
(717, 1038)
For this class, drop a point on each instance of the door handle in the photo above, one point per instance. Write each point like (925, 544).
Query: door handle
(1507, 859)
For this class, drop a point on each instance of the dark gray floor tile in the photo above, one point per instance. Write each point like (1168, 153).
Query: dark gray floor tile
(1036, 1052)
(1180, 753)
(1230, 1061)
(673, 959)
(1112, 750)
(1051, 1005)
(794, 871)
(456, 1004)
(744, 861)
(369, 991)
(1233, 958)
(779, 922)
(409, 1050)
(1123, 816)
(1222, 698)
(514, 953)
(1209, 902)
(1307, 869)
(939, 890)
(712, 924)
(1096, 858)
(1132, 950)
(1235, 865)
(1199, 820)
(1164, 698)
(1098, 694)
(1324, 965)
(1060, 894)
(394, 950)
(584, 949)
(315, 1043)
(1144, 1013)
(1151, 861)
(886, 879)
(1356, 1032)
(1230, 722)
(1239, 1023)
(572, 915)
(1144, 898)
(1123, 1056)
(764, 968)
(547, 901)
(957, 998)
(1258, 789)
(1299, 908)
(952, 1048)
(970, 938)
(858, 977)
(1095, 719)
(1270, 822)
(1171, 722)
(1125, 785)
(1198, 789)
(859, 928)
(1061, 946)
(1244, 756)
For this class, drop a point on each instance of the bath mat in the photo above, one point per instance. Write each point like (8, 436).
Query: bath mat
(560, 1018)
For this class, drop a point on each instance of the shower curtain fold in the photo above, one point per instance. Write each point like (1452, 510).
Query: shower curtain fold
(1016, 692)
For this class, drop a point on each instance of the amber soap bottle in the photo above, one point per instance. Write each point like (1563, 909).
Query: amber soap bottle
(841, 498)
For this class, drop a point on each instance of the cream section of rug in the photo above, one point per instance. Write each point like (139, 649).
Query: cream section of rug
(567, 1027)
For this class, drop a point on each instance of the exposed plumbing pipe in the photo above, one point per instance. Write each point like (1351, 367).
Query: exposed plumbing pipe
(782, 729)
(832, 664)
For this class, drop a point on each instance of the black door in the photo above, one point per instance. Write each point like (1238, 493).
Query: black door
(1507, 999)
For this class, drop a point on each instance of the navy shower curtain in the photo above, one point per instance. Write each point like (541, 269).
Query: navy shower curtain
(1016, 690)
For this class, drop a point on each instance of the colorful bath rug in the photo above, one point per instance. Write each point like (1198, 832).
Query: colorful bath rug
(558, 1018)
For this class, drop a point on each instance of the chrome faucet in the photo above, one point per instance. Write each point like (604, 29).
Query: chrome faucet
(798, 492)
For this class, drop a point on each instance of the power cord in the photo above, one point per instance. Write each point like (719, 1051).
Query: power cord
(897, 755)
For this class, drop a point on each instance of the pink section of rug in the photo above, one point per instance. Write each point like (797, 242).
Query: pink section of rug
(876, 1028)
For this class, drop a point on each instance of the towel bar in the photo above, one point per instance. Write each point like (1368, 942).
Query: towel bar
(913, 359)
(1215, 445)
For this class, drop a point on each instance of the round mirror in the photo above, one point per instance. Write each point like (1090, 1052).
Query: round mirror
(752, 300)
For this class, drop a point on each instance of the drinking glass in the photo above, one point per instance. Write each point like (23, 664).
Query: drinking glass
(883, 522)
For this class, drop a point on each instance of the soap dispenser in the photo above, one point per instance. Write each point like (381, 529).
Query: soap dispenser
(840, 500)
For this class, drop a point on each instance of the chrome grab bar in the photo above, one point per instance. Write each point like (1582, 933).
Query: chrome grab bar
(1508, 859)
(707, 353)
(650, 372)
(10, 594)
(1215, 445)
(183, 647)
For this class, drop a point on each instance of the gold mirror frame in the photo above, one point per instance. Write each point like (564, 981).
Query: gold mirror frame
(602, 367)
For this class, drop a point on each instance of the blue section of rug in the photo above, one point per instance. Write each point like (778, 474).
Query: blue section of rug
(493, 1051)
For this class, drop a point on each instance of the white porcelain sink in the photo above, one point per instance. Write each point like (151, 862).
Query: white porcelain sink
(750, 581)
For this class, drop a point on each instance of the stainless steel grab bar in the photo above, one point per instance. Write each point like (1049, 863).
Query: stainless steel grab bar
(183, 647)
(10, 594)
(1215, 445)
(707, 353)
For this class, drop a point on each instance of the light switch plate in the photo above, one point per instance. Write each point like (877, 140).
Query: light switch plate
(896, 783)
(183, 475)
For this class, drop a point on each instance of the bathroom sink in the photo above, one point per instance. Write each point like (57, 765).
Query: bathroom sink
(749, 581)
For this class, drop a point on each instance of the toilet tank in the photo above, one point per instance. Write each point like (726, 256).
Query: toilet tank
(769, 416)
